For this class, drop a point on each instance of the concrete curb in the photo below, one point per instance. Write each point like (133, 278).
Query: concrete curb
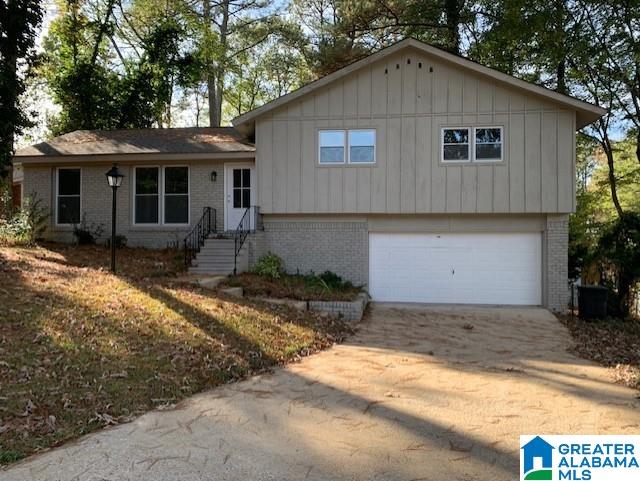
(348, 310)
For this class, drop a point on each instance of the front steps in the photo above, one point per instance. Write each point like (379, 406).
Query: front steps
(216, 258)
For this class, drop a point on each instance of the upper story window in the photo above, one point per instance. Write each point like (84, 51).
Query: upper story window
(362, 146)
(464, 144)
(355, 146)
(161, 194)
(488, 143)
(68, 188)
(455, 145)
(332, 146)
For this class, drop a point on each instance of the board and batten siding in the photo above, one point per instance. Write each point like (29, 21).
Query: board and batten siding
(407, 98)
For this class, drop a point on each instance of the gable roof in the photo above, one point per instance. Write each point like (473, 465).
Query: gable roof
(138, 142)
(585, 112)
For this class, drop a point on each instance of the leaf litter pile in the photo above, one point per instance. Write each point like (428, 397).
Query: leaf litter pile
(81, 348)
(613, 343)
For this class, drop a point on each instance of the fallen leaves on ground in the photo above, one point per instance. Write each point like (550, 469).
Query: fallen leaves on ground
(82, 348)
(614, 343)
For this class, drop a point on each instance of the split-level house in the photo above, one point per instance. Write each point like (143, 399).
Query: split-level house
(422, 175)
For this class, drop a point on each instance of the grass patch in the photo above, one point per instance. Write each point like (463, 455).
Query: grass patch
(301, 287)
(81, 348)
(614, 343)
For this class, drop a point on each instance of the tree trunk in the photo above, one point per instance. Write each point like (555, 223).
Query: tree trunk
(10, 98)
(561, 67)
(606, 146)
(217, 69)
(452, 12)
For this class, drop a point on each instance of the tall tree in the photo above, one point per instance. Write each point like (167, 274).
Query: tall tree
(113, 66)
(19, 22)
(228, 28)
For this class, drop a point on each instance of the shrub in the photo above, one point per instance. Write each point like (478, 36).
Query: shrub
(26, 225)
(269, 265)
(121, 241)
(333, 282)
(87, 234)
(619, 250)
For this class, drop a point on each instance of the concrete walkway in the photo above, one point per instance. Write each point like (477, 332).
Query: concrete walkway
(420, 393)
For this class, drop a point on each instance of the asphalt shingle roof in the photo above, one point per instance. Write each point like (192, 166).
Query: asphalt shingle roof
(205, 140)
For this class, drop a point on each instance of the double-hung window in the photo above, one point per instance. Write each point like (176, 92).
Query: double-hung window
(488, 143)
(466, 144)
(176, 195)
(362, 146)
(161, 193)
(455, 145)
(355, 146)
(68, 187)
(147, 195)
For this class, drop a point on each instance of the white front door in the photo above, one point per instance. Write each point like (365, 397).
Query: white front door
(503, 268)
(239, 193)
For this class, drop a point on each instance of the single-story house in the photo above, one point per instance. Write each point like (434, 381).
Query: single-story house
(422, 175)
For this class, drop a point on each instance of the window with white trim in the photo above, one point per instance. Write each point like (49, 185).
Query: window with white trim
(455, 144)
(362, 146)
(176, 195)
(355, 146)
(147, 195)
(161, 193)
(68, 196)
(458, 144)
(332, 146)
(488, 144)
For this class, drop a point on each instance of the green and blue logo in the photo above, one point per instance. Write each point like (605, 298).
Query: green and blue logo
(580, 458)
(537, 460)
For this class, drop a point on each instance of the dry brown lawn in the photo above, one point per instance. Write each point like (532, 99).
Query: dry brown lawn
(81, 348)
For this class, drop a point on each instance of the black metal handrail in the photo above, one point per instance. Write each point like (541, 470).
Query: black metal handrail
(195, 239)
(248, 223)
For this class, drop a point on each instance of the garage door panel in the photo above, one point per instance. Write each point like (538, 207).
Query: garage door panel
(456, 268)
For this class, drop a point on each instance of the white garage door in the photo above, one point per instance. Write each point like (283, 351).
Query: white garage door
(456, 268)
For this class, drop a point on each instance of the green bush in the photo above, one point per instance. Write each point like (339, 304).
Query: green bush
(26, 225)
(269, 265)
(333, 282)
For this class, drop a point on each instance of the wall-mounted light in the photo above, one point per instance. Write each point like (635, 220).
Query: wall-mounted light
(214, 176)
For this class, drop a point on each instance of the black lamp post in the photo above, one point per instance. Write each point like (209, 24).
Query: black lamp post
(114, 178)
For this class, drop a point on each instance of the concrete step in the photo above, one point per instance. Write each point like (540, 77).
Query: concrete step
(210, 272)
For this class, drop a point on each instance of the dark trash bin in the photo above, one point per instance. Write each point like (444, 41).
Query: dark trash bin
(592, 302)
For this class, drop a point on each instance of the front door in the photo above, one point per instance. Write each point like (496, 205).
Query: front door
(239, 194)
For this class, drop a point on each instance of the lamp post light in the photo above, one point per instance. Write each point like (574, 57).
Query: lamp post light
(114, 178)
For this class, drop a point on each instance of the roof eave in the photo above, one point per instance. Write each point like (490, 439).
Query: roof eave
(123, 157)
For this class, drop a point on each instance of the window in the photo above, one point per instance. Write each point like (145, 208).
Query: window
(241, 188)
(488, 143)
(362, 146)
(68, 193)
(161, 194)
(147, 195)
(484, 146)
(176, 195)
(455, 145)
(332, 146)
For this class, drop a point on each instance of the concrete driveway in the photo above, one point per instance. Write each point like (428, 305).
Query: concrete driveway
(420, 393)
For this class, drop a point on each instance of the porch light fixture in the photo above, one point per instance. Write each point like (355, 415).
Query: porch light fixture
(214, 176)
(114, 179)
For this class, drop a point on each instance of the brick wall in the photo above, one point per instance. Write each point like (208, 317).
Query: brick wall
(556, 249)
(307, 246)
(96, 202)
